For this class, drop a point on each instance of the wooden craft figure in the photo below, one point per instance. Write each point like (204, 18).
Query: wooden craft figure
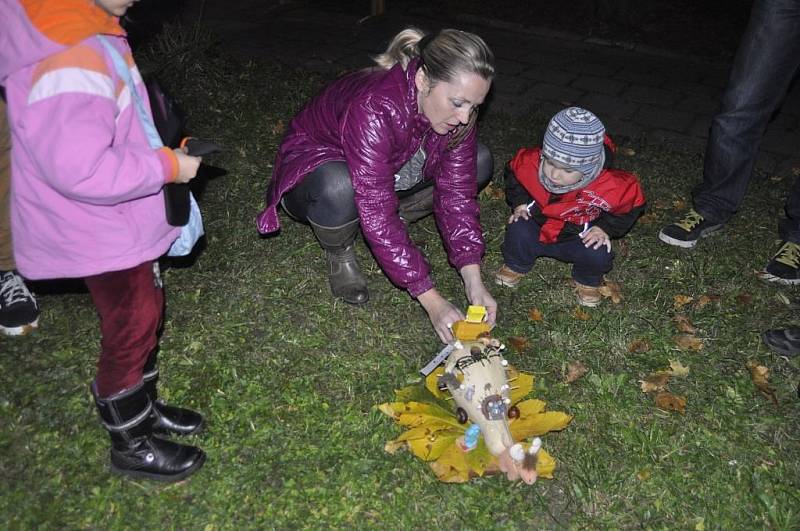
(475, 375)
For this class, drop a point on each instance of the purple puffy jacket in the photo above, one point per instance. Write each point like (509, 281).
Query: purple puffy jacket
(369, 119)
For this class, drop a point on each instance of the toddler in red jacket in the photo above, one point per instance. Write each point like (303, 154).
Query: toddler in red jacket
(568, 204)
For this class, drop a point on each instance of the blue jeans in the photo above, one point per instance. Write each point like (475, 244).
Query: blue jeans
(522, 247)
(766, 61)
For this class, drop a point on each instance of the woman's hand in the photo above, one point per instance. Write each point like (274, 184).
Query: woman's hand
(520, 212)
(595, 238)
(441, 313)
(476, 291)
(187, 165)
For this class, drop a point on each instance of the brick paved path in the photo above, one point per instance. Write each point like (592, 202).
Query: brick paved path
(664, 97)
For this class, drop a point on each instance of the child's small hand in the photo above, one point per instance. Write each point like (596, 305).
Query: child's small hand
(595, 237)
(520, 212)
(187, 165)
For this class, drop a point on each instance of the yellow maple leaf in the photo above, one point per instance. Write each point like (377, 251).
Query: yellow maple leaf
(539, 424)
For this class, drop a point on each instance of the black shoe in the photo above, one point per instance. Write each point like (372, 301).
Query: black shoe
(783, 341)
(135, 451)
(784, 267)
(19, 313)
(687, 231)
(169, 419)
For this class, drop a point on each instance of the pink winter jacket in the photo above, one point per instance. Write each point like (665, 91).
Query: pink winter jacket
(87, 188)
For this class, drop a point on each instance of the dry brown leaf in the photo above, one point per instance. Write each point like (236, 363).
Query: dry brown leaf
(678, 369)
(655, 382)
(628, 152)
(495, 192)
(278, 127)
(648, 219)
(575, 370)
(611, 290)
(679, 301)
(518, 343)
(639, 345)
(684, 324)
(679, 204)
(703, 300)
(670, 402)
(581, 314)
(660, 204)
(688, 342)
(776, 178)
(744, 299)
(535, 315)
(760, 376)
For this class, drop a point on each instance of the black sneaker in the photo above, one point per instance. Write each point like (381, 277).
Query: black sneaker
(686, 232)
(784, 267)
(783, 341)
(19, 313)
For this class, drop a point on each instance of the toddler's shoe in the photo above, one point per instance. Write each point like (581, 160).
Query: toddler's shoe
(588, 296)
(685, 232)
(507, 277)
(784, 267)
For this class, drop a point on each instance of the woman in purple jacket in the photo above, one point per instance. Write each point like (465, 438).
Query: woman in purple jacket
(383, 147)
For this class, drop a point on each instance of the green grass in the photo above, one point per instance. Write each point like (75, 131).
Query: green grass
(288, 377)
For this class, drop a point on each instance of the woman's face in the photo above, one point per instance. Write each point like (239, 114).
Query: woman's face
(448, 104)
(559, 174)
(117, 8)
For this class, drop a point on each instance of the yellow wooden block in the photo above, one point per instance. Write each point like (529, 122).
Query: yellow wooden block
(476, 314)
(466, 331)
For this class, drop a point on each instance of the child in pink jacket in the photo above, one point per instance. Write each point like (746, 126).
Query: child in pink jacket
(87, 202)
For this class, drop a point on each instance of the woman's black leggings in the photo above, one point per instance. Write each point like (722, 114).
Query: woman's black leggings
(325, 196)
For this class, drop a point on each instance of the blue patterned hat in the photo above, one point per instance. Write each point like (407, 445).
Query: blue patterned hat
(574, 138)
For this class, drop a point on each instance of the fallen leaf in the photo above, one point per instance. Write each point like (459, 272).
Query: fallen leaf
(575, 370)
(278, 127)
(760, 376)
(679, 204)
(684, 324)
(655, 382)
(648, 219)
(611, 290)
(639, 345)
(670, 402)
(688, 342)
(644, 474)
(678, 369)
(518, 343)
(494, 192)
(580, 314)
(744, 299)
(535, 315)
(703, 300)
(776, 178)
(679, 301)
(628, 152)
(660, 204)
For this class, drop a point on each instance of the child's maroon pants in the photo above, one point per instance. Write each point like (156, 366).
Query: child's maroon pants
(130, 304)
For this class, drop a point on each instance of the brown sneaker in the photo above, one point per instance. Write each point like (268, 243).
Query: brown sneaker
(507, 277)
(588, 295)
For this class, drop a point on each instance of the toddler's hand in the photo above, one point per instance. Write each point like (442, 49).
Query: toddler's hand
(187, 165)
(595, 237)
(520, 212)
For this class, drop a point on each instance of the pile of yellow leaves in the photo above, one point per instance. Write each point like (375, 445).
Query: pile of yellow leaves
(433, 429)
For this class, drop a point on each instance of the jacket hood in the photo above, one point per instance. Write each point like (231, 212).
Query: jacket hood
(35, 29)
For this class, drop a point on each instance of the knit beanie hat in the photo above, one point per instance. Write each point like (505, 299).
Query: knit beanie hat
(574, 138)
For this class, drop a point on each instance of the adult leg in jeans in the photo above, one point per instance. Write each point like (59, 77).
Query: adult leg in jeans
(325, 200)
(767, 59)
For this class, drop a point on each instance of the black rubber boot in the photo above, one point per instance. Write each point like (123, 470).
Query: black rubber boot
(168, 419)
(345, 276)
(415, 207)
(135, 451)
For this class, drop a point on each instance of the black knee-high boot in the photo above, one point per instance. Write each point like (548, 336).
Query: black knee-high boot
(168, 419)
(416, 206)
(345, 276)
(135, 451)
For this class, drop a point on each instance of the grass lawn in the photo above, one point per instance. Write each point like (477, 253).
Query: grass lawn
(288, 377)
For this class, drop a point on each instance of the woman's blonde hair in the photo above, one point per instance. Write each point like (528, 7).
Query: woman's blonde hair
(443, 56)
